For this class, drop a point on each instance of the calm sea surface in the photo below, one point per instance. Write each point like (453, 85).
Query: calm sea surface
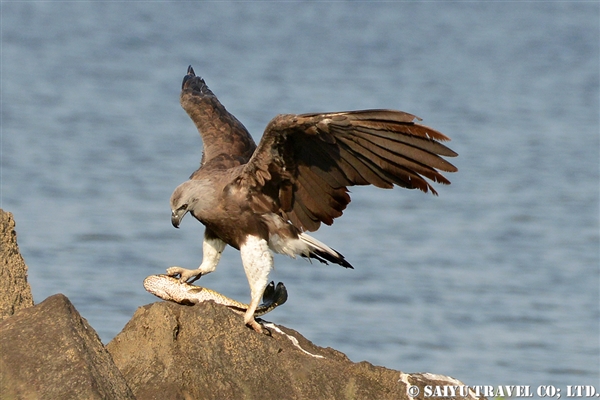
(494, 282)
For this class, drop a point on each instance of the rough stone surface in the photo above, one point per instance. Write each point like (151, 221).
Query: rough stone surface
(170, 351)
(50, 352)
(15, 292)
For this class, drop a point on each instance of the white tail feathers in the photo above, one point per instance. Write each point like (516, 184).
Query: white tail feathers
(307, 246)
(318, 245)
(322, 252)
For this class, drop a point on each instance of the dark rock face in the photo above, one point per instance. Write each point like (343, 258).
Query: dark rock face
(15, 292)
(50, 352)
(170, 351)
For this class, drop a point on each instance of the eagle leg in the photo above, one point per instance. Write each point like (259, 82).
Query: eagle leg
(258, 262)
(212, 248)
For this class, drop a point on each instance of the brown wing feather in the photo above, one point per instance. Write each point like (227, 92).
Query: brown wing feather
(420, 162)
(308, 221)
(227, 142)
(367, 174)
(311, 159)
(419, 152)
(332, 204)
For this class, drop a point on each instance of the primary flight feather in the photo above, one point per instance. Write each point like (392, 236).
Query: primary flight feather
(263, 199)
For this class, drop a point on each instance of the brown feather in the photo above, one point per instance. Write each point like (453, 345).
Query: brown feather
(308, 220)
(222, 134)
(421, 162)
(314, 200)
(321, 193)
(286, 196)
(389, 170)
(368, 174)
(427, 145)
(325, 163)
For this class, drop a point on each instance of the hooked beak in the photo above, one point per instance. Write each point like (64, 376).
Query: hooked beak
(177, 216)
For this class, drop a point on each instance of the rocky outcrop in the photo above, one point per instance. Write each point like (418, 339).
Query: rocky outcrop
(171, 351)
(50, 352)
(47, 351)
(15, 292)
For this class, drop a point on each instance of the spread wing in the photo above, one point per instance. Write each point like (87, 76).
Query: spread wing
(304, 163)
(227, 143)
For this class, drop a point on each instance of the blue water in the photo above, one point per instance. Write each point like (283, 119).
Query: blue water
(494, 282)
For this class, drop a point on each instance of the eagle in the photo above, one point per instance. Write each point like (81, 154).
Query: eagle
(263, 199)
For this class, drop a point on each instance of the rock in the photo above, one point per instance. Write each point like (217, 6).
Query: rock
(171, 351)
(15, 292)
(50, 352)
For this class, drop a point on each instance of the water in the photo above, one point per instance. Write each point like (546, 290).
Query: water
(494, 282)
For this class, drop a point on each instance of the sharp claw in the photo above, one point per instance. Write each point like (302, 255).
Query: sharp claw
(257, 327)
(194, 279)
(184, 274)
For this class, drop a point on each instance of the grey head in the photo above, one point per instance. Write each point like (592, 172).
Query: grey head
(193, 196)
